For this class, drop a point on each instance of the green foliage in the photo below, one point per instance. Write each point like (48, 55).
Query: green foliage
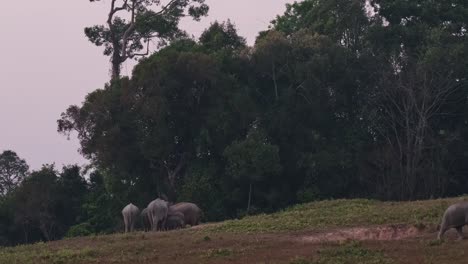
(83, 229)
(306, 195)
(253, 159)
(222, 36)
(253, 163)
(203, 188)
(36, 203)
(99, 210)
(343, 21)
(13, 170)
(44, 205)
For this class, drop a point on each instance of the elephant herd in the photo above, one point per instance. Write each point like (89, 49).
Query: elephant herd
(161, 215)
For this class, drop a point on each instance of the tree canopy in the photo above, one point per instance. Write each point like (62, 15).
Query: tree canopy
(13, 170)
(132, 24)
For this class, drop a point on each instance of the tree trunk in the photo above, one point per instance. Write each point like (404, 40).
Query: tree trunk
(250, 198)
(116, 64)
(25, 232)
(273, 70)
(44, 231)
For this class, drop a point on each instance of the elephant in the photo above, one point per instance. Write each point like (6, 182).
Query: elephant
(175, 220)
(192, 213)
(157, 211)
(456, 216)
(145, 218)
(130, 216)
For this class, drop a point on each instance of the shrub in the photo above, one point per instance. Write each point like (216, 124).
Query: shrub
(83, 229)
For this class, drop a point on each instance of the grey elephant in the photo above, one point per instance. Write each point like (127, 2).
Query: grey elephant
(145, 218)
(130, 216)
(157, 211)
(456, 216)
(175, 220)
(192, 213)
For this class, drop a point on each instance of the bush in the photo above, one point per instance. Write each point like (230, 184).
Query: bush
(83, 229)
(203, 189)
(308, 194)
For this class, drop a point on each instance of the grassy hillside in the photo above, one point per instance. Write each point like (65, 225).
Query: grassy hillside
(343, 213)
(283, 237)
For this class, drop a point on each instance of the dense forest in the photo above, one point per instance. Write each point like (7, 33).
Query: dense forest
(336, 99)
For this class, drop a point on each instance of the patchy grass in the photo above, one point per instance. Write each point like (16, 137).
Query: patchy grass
(347, 253)
(220, 252)
(38, 254)
(267, 239)
(342, 213)
(351, 253)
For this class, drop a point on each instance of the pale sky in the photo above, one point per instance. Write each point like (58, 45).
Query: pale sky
(47, 64)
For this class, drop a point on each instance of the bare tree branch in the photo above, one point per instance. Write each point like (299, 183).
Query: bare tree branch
(132, 55)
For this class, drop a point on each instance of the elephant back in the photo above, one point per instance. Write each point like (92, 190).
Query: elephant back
(191, 212)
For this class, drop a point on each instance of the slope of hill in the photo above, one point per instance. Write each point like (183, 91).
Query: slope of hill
(335, 231)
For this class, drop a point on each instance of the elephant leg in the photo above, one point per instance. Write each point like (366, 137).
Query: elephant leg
(460, 232)
(442, 231)
(126, 224)
(155, 223)
(150, 221)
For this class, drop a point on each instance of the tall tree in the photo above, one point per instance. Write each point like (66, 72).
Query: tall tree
(147, 19)
(36, 201)
(343, 21)
(71, 190)
(420, 80)
(13, 170)
(253, 161)
(410, 105)
(222, 36)
(143, 132)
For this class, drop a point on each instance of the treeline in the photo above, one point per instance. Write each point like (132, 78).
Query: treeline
(336, 99)
(43, 204)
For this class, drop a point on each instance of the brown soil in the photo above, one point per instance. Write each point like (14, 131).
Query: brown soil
(392, 232)
(402, 244)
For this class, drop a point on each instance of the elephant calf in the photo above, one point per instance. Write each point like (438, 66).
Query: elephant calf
(130, 216)
(456, 216)
(145, 218)
(175, 220)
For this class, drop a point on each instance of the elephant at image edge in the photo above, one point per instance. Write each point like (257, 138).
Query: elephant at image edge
(456, 216)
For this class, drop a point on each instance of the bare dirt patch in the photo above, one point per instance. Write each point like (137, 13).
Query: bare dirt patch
(379, 233)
